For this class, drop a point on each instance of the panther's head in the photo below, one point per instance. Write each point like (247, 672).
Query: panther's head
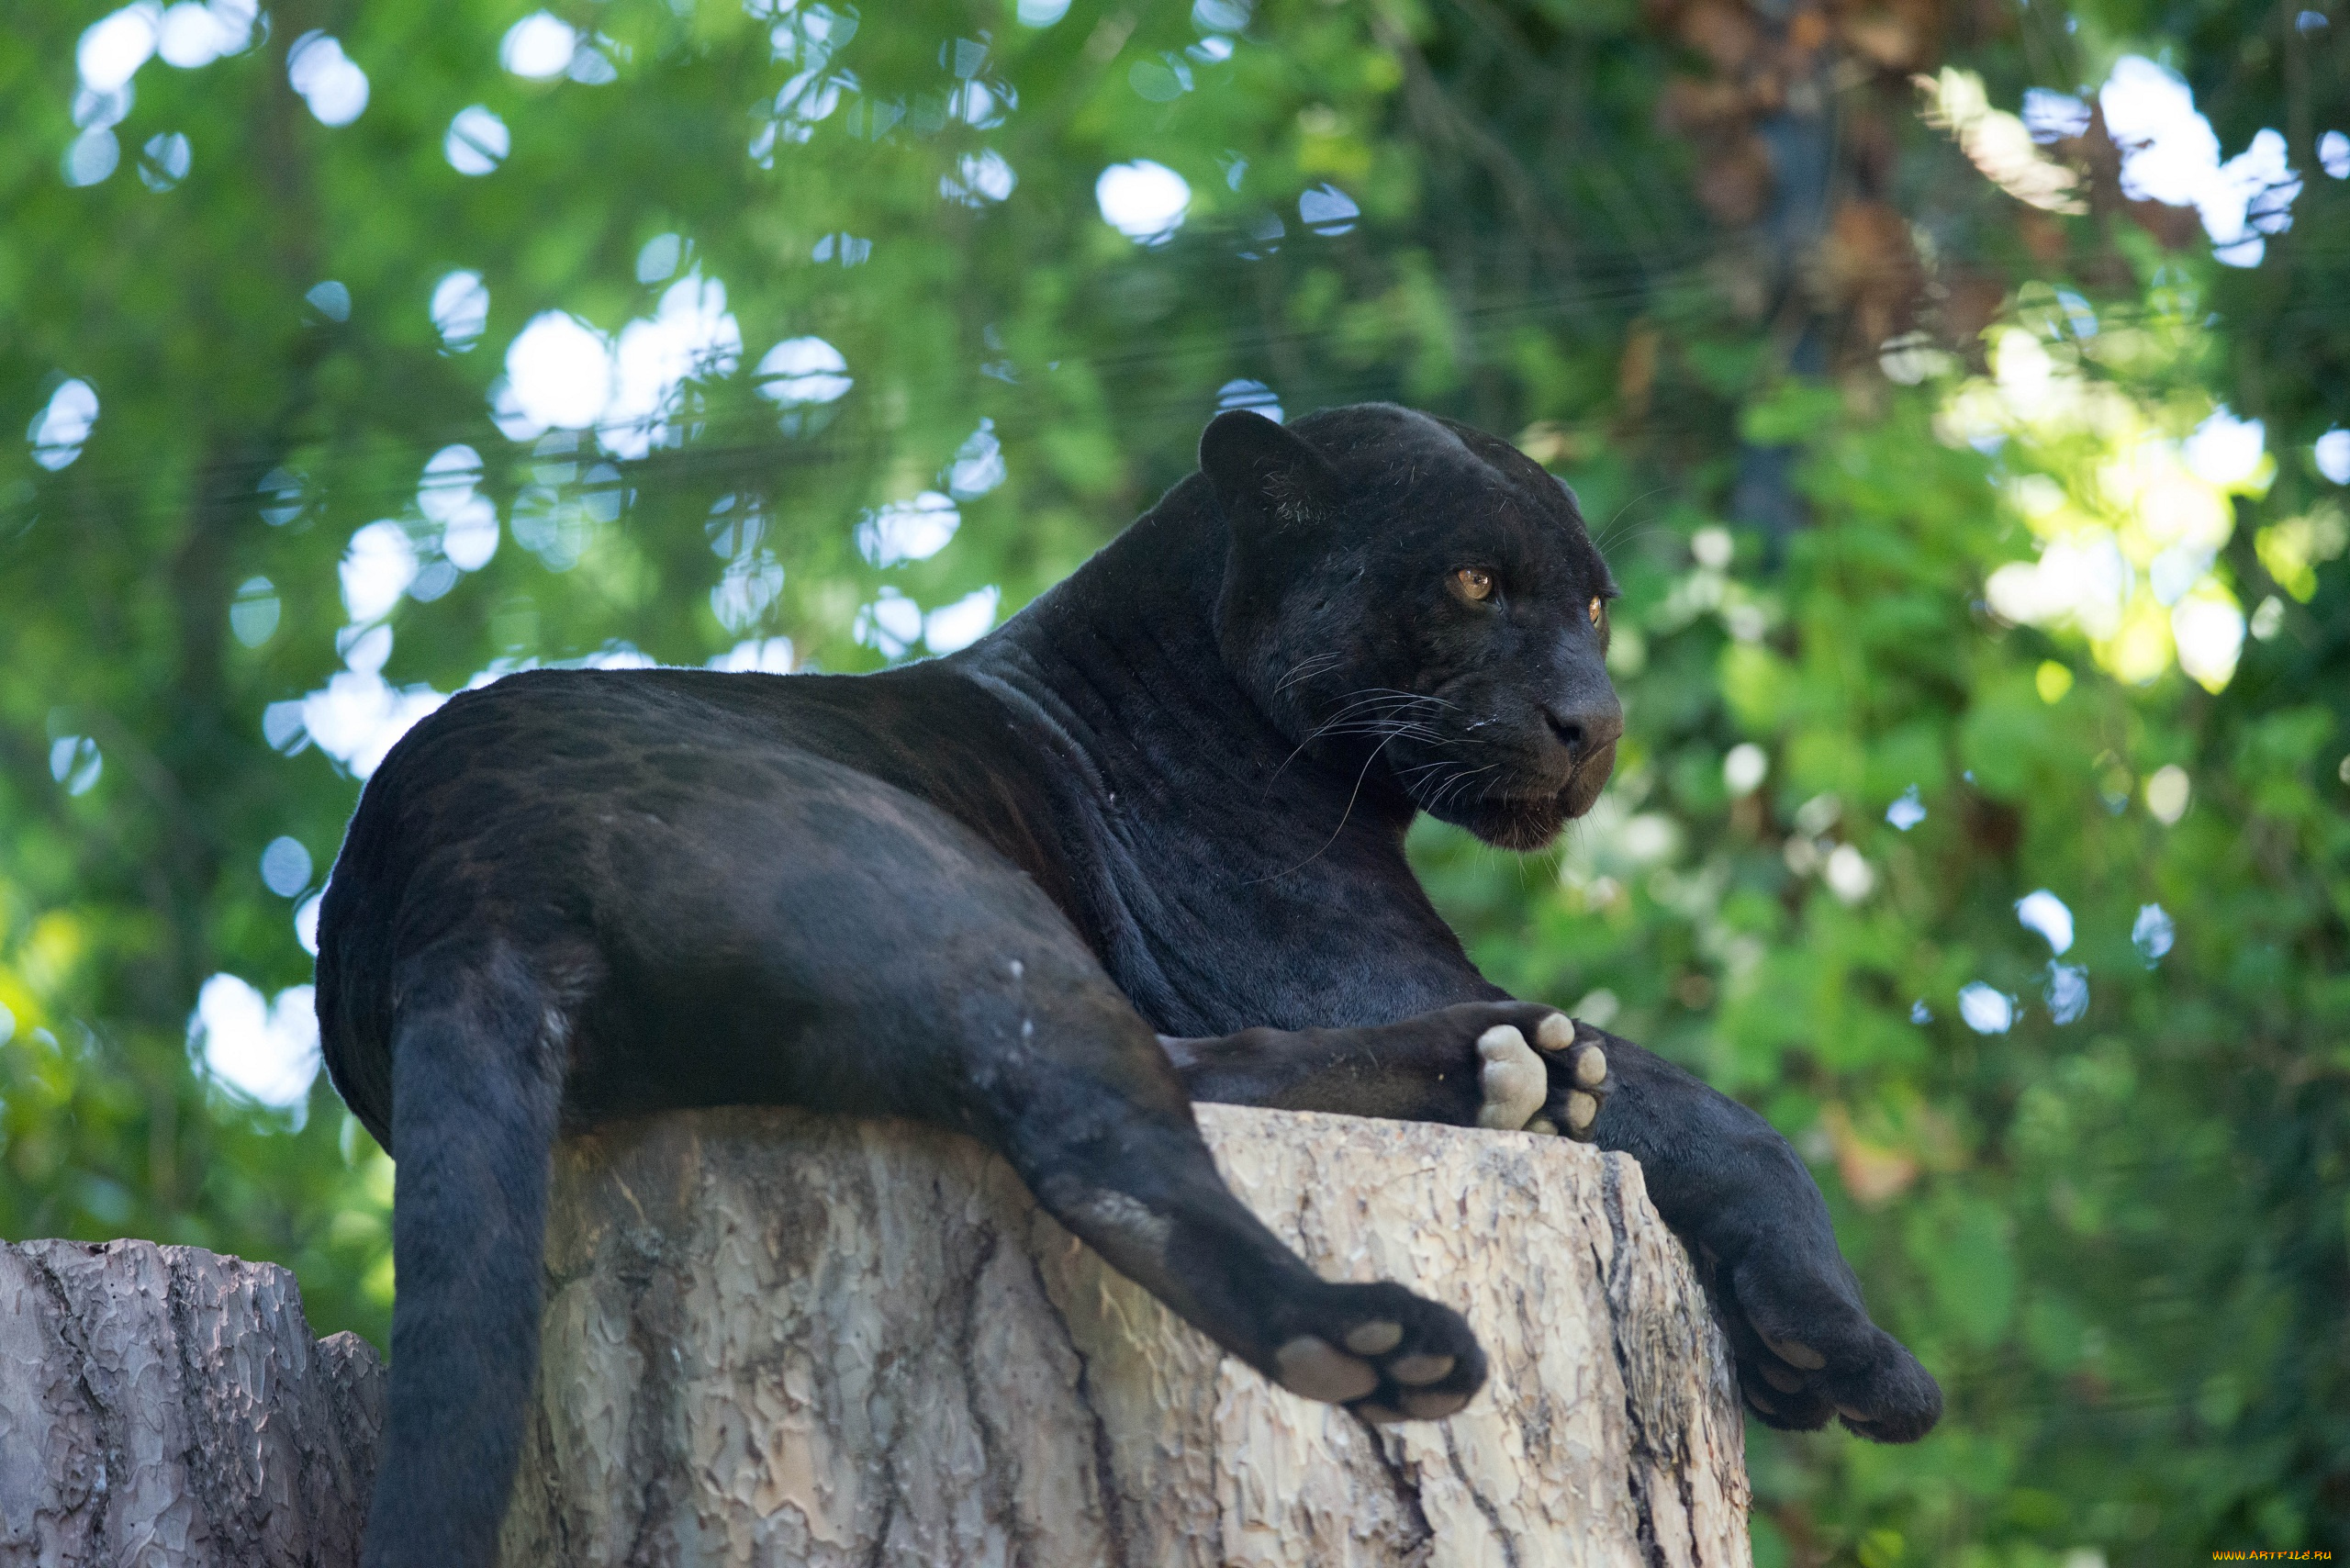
(1423, 597)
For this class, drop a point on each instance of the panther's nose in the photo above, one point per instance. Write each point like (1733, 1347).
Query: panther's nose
(1584, 728)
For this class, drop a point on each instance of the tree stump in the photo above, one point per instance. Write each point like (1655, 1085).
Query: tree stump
(166, 1408)
(773, 1337)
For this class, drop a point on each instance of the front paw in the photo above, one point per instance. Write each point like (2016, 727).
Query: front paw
(1382, 1352)
(1806, 1350)
(1555, 1085)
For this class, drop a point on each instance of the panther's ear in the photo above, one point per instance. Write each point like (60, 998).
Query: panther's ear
(1262, 474)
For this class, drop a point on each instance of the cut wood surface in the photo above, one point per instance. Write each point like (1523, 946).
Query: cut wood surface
(166, 1408)
(773, 1337)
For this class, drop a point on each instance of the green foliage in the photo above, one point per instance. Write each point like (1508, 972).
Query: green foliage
(2120, 1241)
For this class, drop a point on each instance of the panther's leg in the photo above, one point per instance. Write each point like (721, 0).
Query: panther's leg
(1721, 1176)
(1734, 1190)
(1506, 1065)
(1035, 1051)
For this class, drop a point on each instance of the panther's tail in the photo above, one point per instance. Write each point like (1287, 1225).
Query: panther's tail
(478, 1060)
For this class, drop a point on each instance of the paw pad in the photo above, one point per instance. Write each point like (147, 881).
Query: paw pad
(1382, 1352)
(1586, 1075)
(1514, 1080)
(1794, 1353)
(1420, 1369)
(1318, 1370)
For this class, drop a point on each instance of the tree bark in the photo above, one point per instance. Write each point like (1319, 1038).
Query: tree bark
(772, 1338)
(166, 1408)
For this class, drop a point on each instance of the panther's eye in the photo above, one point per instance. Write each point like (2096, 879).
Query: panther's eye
(1598, 607)
(1475, 582)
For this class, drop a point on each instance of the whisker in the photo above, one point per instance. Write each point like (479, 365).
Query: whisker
(1344, 817)
(1301, 670)
(1371, 711)
(1608, 534)
(1460, 781)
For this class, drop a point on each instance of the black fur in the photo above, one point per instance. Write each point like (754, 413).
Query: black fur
(1143, 844)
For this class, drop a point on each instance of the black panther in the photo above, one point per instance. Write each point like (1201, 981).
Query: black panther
(1141, 846)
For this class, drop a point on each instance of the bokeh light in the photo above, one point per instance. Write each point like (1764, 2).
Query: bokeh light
(329, 80)
(539, 48)
(63, 424)
(559, 371)
(477, 141)
(803, 370)
(460, 309)
(1142, 200)
(267, 1051)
